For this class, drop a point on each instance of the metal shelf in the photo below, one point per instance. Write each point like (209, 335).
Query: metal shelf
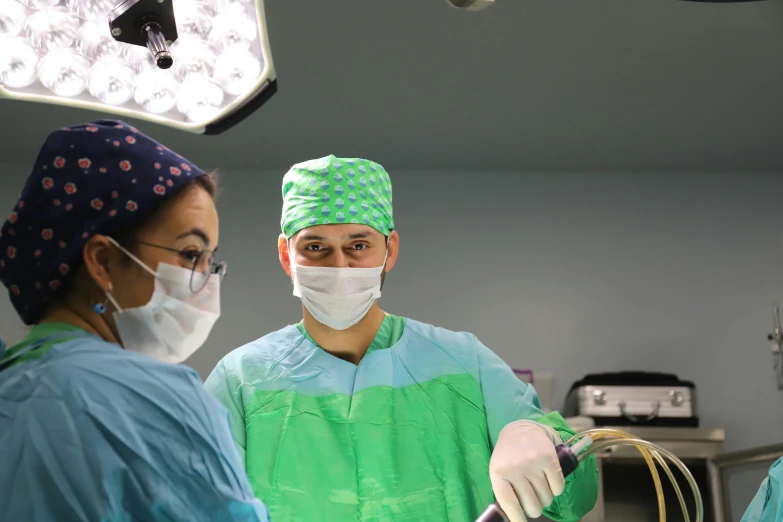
(686, 443)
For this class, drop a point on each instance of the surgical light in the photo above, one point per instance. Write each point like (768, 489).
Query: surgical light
(198, 65)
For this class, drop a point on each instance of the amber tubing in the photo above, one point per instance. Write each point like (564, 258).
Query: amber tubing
(602, 433)
(663, 451)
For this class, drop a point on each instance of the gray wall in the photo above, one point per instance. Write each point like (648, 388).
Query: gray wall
(564, 272)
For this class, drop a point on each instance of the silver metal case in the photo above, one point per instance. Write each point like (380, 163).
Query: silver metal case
(634, 405)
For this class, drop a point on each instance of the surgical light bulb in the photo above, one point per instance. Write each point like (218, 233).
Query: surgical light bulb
(237, 70)
(199, 98)
(37, 5)
(12, 17)
(193, 18)
(95, 42)
(18, 62)
(232, 28)
(226, 4)
(52, 28)
(64, 72)
(192, 57)
(209, 6)
(111, 81)
(156, 90)
(138, 57)
(91, 9)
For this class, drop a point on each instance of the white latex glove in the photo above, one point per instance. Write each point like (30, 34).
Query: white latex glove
(524, 470)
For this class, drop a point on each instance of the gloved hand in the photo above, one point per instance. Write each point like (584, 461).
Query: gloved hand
(525, 471)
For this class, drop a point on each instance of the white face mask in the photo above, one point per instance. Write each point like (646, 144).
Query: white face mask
(337, 297)
(175, 322)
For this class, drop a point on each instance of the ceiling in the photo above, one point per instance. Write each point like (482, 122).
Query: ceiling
(587, 85)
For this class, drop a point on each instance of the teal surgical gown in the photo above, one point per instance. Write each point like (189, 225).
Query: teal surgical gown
(404, 436)
(92, 432)
(767, 505)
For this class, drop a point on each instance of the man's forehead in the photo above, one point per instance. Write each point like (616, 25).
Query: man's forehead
(337, 232)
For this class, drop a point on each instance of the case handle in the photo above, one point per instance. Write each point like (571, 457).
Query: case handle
(640, 419)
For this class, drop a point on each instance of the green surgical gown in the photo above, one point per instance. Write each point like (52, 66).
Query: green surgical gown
(404, 435)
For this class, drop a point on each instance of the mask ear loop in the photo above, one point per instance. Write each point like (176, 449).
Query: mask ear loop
(136, 259)
(110, 298)
(385, 256)
(100, 308)
(383, 267)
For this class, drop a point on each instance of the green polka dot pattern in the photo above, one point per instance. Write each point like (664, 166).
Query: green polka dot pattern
(334, 191)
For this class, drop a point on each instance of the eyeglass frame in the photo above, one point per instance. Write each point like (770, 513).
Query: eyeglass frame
(217, 268)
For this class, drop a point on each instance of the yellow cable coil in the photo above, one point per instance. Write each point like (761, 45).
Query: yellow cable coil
(652, 454)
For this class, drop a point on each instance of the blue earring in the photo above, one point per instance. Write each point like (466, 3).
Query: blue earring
(100, 308)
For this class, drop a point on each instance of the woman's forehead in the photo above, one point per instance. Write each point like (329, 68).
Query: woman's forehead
(194, 210)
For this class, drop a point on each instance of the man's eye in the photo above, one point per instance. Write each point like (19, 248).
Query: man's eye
(360, 246)
(313, 248)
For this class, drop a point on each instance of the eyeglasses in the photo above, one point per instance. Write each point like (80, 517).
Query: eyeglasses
(200, 259)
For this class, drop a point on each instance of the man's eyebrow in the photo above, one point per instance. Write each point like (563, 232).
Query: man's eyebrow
(312, 237)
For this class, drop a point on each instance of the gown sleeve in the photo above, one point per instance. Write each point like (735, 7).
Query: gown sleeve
(766, 505)
(121, 437)
(222, 384)
(508, 399)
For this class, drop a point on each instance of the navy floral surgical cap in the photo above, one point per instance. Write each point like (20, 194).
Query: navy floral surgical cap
(100, 177)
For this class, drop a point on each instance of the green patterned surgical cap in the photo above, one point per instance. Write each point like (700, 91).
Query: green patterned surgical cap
(333, 191)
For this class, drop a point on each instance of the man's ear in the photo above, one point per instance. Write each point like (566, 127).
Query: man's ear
(283, 254)
(95, 255)
(392, 250)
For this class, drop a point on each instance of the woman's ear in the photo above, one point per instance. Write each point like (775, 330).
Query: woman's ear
(96, 255)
